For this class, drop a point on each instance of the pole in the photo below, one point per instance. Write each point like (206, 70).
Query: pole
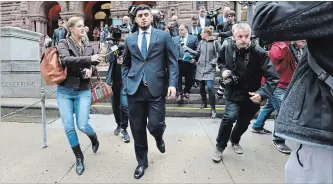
(43, 116)
(250, 13)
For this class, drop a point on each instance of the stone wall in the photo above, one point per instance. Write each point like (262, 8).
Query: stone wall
(20, 72)
(30, 14)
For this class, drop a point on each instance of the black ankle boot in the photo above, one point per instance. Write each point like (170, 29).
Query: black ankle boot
(94, 142)
(79, 159)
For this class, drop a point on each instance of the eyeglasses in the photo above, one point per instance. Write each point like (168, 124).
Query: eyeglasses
(143, 14)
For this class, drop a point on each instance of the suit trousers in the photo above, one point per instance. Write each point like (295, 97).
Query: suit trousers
(186, 70)
(243, 112)
(143, 105)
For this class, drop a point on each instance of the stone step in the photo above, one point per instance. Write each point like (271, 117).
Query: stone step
(172, 110)
(216, 81)
(195, 99)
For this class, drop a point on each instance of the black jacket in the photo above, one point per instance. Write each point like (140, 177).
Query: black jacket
(306, 114)
(75, 63)
(114, 72)
(259, 65)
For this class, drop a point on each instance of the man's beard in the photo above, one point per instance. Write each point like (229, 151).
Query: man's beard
(144, 27)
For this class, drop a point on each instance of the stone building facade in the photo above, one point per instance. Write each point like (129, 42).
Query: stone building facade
(42, 16)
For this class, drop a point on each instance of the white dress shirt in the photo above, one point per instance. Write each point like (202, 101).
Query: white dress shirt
(202, 22)
(185, 39)
(148, 35)
(195, 30)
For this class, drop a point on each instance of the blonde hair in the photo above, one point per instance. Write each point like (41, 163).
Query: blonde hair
(72, 21)
(208, 30)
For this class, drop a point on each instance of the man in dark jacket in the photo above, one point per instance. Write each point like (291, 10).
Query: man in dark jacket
(306, 115)
(224, 30)
(242, 63)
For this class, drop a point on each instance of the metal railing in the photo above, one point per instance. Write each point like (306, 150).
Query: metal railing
(43, 113)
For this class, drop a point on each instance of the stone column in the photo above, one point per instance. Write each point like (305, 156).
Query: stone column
(38, 26)
(20, 67)
(238, 12)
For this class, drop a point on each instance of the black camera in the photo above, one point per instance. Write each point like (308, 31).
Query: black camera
(230, 80)
(213, 13)
(117, 31)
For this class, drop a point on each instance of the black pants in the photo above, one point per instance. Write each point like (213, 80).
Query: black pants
(185, 70)
(243, 112)
(121, 115)
(143, 105)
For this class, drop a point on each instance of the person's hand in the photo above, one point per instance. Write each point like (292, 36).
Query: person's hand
(226, 74)
(171, 92)
(88, 73)
(120, 60)
(192, 61)
(96, 59)
(256, 98)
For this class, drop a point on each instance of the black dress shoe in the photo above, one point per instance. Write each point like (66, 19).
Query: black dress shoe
(140, 171)
(161, 146)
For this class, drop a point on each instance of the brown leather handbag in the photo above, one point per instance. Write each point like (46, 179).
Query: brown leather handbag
(51, 68)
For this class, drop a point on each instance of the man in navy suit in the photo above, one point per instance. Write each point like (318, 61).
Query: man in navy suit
(186, 63)
(149, 65)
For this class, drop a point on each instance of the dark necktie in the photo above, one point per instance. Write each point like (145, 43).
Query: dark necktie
(144, 54)
(144, 45)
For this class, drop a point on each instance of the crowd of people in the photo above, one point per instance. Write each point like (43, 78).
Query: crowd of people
(294, 75)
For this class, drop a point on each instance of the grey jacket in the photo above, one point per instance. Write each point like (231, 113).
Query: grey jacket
(206, 54)
(306, 114)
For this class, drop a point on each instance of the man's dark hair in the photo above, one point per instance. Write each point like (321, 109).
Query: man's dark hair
(194, 18)
(231, 13)
(142, 7)
(186, 27)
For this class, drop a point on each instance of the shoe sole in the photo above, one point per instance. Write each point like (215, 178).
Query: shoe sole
(216, 161)
(259, 132)
(126, 141)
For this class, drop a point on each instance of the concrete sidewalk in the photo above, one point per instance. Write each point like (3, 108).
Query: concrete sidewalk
(189, 145)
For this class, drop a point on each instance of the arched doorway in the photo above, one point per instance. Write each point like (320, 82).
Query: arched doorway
(96, 12)
(49, 11)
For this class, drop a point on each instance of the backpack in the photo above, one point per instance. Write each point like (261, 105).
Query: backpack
(51, 68)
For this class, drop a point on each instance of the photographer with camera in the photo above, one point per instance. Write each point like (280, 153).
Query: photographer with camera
(224, 30)
(115, 46)
(243, 64)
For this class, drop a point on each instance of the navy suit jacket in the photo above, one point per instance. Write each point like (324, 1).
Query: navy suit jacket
(192, 43)
(160, 59)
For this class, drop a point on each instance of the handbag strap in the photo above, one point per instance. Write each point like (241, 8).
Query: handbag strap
(322, 74)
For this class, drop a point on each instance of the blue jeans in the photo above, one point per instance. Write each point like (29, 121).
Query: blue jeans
(70, 100)
(211, 94)
(273, 103)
